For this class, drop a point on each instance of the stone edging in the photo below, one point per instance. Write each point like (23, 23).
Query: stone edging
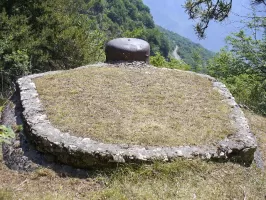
(84, 152)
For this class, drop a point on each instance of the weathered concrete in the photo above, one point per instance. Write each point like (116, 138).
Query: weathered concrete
(127, 49)
(84, 152)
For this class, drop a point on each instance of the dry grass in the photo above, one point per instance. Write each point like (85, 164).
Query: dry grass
(186, 180)
(182, 179)
(136, 106)
(258, 127)
(42, 184)
(193, 179)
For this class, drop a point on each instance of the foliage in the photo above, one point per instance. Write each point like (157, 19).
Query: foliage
(14, 60)
(125, 18)
(159, 61)
(198, 65)
(187, 49)
(45, 35)
(249, 52)
(206, 10)
(39, 36)
(177, 64)
(242, 67)
(6, 134)
(158, 42)
(249, 90)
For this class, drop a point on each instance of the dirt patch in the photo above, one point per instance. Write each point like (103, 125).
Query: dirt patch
(145, 106)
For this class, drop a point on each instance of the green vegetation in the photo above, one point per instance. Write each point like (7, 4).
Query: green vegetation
(185, 180)
(181, 179)
(191, 53)
(204, 11)
(258, 127)
(159, 61)
(128, 18)
(45, 35)
(40, 36)
(242, 67)
(6, 133)
(148, 106)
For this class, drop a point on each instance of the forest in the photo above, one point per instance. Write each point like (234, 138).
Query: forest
(45, 35)
(38, 36)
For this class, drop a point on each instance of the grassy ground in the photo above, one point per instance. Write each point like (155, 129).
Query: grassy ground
(258, 126)
(136, 106)
(182, 179)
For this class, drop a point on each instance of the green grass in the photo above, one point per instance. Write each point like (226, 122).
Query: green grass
(258, 127)
(147, 106)
(185, 179)
(182, 179)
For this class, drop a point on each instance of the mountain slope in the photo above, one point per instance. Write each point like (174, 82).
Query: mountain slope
(175, 53)
(186, 48)
(125, 18)
(128, 18)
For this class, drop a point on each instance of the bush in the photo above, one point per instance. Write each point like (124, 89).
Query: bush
(159, 61)
(248, 90)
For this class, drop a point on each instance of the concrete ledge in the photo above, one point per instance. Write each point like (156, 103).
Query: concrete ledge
(84, 152)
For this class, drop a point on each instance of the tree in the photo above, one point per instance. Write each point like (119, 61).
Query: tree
(197, 61)
(250, 52)
(38, 36)
(242, 67)
(207, 10)
(159, 61)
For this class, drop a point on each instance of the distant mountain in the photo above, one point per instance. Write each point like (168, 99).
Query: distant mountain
(170, 14)
(131, 18)
(127, 18)
(186, 48)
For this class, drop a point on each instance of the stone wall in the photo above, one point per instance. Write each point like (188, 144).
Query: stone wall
(84, 152)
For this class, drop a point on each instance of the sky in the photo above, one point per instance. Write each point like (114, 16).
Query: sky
(171, 15)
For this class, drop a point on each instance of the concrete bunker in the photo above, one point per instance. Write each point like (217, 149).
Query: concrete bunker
(127, 49)
(85, 152)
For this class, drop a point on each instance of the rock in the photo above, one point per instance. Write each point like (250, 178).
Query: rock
(86, 153)
(127, 49)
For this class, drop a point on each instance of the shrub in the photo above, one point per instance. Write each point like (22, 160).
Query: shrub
(159, 61)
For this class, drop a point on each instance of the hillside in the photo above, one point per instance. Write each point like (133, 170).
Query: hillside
(186, 48)
(125, 18)
(133, 19)
(55, 34)
(52, 35)
(160, 180)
